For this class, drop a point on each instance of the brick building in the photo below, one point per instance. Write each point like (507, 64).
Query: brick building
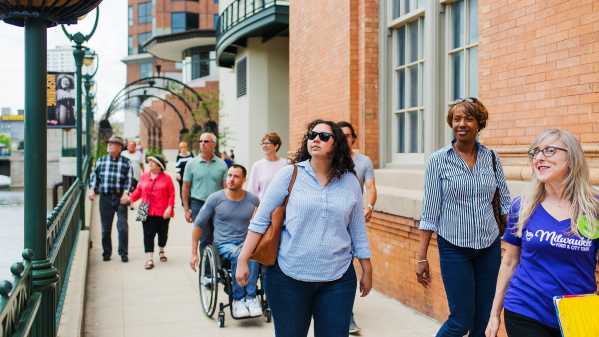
(173, 39)
(392, 68)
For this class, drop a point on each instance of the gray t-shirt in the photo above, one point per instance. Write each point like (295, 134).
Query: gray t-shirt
(364, 169)
(231, 218)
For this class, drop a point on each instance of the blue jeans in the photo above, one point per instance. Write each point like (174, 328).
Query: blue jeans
(294, 303)
(469, 276)
(226, 250)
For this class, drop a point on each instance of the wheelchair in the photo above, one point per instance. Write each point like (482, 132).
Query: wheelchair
(215, 271)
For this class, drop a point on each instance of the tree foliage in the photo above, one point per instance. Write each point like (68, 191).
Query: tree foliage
(4, 139)
(206, 115)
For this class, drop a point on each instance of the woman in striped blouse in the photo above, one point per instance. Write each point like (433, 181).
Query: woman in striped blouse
(459, 186)
(324, 228)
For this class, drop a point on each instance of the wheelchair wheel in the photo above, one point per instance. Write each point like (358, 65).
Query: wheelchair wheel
(208, 280)
(267, 316)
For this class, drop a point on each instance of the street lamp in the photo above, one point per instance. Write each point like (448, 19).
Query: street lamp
(88, 60)
(36, 16)
(79, 55)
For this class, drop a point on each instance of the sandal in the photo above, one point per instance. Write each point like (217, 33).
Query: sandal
(149, 264)
(162, 257)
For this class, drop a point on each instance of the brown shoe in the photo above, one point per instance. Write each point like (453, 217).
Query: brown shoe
(149, 264)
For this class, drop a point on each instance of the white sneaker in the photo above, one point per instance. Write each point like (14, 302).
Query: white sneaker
(253, 307)
(240, 309)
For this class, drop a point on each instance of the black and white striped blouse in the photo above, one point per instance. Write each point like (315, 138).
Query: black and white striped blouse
(457, 201)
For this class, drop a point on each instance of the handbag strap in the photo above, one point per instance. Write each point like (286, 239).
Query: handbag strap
(152, 190)
(290, 185)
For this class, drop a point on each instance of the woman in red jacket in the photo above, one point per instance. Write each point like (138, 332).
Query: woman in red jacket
(156, 188)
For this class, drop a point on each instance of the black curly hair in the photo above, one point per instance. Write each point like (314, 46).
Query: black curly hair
(341, 160)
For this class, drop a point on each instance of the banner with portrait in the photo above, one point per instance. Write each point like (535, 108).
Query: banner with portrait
(61, 100)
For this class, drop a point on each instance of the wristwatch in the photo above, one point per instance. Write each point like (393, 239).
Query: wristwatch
(371, 207)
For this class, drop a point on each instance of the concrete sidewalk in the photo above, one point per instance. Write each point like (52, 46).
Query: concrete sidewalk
(124, 299)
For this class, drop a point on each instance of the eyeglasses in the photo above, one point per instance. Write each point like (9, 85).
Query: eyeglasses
(204, 141)
(265, 143)
(324, 136)
(467, 99)
(547, 152)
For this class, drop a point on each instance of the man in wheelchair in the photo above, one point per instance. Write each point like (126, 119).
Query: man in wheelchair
(232, 209)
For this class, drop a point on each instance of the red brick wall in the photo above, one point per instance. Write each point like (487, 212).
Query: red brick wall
(333, 57)
(171, 124)
(539, 68)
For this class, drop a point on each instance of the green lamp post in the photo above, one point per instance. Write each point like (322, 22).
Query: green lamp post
(88, 82)
(79, 55)
(36, 16)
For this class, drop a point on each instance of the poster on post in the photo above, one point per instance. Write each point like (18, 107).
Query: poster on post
(61, 100)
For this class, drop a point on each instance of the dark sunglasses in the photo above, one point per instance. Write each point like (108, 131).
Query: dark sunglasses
(204, 141)
(324, 136)
(547, 152)
(467, 99)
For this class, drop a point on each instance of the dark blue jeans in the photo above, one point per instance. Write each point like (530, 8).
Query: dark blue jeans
(294, 303)
(109, 205)
(469, 276)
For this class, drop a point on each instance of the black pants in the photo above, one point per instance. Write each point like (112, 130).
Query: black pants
(207, 229)
(152, 226)
(109, 205)
(517, 325)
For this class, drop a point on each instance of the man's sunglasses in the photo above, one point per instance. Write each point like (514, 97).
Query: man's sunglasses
(467, 99)
(324, 136)
(204, 141)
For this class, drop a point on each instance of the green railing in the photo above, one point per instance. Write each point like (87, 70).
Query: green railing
(239, 10)
(18, 305)
(19, 314)
(61, 238)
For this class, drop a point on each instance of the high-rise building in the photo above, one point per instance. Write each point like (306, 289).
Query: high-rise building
(174, 39)
(60, 59)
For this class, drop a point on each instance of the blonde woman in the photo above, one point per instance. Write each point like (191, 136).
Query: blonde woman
(549, 251)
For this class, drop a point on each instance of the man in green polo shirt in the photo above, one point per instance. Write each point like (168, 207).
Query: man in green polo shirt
(204, 175)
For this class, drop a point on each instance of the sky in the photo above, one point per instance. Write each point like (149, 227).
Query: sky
(109, 41)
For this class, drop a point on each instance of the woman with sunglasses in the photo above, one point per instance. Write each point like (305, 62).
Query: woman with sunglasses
(552, 240)
(459, 185)
(265, 169)
(313, 276)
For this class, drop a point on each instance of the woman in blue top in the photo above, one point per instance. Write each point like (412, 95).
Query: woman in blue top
(550, 251)
(324, 225)
(459, 186)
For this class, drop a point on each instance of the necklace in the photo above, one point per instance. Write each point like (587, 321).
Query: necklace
(462, 153)
(558, 202)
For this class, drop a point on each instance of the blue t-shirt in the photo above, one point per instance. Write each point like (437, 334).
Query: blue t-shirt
(552, 263)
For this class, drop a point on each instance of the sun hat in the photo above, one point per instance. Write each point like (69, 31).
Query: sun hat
(159, 160)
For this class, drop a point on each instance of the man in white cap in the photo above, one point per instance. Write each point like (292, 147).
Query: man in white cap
(111, 179)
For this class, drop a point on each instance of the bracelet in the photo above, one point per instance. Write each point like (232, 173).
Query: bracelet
(422, 261)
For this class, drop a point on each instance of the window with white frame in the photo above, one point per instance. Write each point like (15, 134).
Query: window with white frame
(408, 78)
(462, 47)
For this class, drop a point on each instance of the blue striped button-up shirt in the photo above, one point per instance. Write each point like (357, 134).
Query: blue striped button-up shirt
(322, 226)
(111, 176)
(457, 201)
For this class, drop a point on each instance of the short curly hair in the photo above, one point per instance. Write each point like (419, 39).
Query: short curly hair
(341, 160)
(475, 109)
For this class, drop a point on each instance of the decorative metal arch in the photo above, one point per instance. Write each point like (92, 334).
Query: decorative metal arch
(149, 96)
